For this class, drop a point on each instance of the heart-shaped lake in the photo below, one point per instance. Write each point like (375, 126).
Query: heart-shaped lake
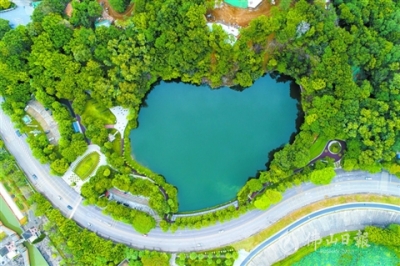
(209, 142)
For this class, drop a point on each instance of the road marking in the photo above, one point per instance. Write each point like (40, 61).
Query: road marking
(76, 206)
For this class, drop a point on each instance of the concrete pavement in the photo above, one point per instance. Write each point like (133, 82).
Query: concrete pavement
(121, 114)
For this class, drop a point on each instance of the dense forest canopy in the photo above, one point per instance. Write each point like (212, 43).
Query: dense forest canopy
(346, 58)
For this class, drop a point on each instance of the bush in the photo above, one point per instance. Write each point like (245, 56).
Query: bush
(39, 239)
(5, 4)
(335, 148)
(2, 235)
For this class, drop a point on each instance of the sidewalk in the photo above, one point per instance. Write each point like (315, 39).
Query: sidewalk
(122, 120)
(11, 203)
(234, 203)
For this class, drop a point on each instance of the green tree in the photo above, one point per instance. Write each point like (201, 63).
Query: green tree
(322, 176)
(4, 4)
(155, 258)
(59, 166)
(85, 13)
(143, 223)
(267, 198)
(47, 7)
(4, 27)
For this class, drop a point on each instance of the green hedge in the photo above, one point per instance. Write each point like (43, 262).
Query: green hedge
(87, 165)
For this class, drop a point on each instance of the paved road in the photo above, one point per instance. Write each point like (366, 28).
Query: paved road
(316, 214)
(185, 240)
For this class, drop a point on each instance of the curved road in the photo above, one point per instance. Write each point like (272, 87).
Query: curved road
(185, 240)
(317, 214)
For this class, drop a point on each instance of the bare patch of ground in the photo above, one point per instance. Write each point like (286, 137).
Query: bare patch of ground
(239, 16)
(68, 10)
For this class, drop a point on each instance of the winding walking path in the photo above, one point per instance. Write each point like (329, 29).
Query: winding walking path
(327, 153)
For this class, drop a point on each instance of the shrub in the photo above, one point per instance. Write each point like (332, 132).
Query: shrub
(5, 4)
(39, 239)
(335, 148)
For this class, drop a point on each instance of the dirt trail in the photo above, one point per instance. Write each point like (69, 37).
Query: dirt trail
(226, 14)
(68, 10)
(239, 16)
(266, 56)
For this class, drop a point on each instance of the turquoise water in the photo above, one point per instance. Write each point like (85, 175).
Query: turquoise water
(350, 256)
(209, 142)
(9, 220)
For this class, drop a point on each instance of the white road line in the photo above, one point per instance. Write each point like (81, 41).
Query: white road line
(75, 207)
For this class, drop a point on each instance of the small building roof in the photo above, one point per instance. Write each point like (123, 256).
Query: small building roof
(27, 234)
(12, 254)
(35, 4)
(245, 3)
(237, 3)
(254, 3)
(77, 127)
(3, 251)
(31, 234)
(27, 119)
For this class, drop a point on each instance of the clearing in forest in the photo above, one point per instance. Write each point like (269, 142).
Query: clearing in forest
(239, 16)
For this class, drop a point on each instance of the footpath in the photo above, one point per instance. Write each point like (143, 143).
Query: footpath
(11, 203)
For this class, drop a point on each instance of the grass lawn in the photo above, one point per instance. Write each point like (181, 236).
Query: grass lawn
(313, 246)
(8, 218)
(251, 242)
(2, 235)
(317, 147)
(117, 144)
(87, 165)
(35, 257)
(99, 112)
